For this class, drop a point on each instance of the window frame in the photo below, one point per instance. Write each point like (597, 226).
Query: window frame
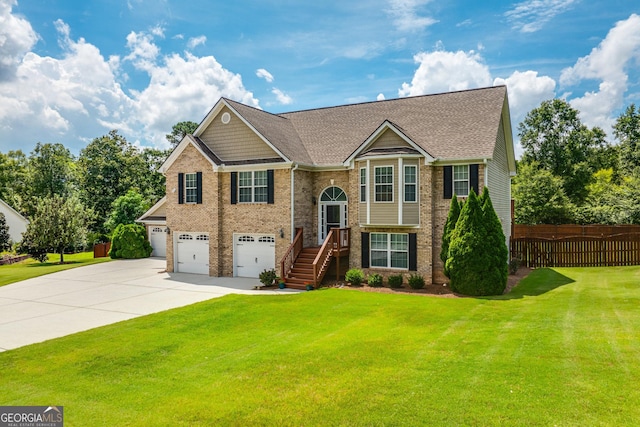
(461, 180)
(191, 192)
(363, 185)
(376, 184)
(255, 183)
(389, 251)
(413, 184)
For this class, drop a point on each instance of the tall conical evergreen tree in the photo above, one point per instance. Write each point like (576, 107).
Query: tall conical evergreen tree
(468, 258)
(449, 226)
(496, 246)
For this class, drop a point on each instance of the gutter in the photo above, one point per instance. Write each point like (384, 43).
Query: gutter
(293, 208)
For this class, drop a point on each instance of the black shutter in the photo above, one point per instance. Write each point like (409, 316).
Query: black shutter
(448, 182)
(413, 252)
(473, 177)
(364, 237)
(180, 188)
(234, 188)
(199, 187)
(270, 186)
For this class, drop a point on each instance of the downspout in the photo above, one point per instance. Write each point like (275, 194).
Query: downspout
(293, 208)
(486, 172)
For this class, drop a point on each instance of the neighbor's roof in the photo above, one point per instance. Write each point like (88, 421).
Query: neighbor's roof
(454, 125)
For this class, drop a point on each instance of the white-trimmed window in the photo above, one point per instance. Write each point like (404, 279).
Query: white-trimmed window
(410, 183)
(461, 180)
(390, 250)
(191, 188)
(383, 183)
(363, 185)
(252, 187)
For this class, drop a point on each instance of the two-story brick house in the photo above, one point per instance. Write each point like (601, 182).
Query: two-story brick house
(247, 182)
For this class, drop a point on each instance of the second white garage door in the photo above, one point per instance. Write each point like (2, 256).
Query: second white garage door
(192, 253)
(253, 253)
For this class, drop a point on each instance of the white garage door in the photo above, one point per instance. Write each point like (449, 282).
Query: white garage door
(192, 251)
(253, 253)
(158, 240)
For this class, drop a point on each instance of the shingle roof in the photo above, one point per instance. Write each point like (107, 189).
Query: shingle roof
(455, 125)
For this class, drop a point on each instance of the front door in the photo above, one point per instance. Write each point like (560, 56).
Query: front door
(332, 211)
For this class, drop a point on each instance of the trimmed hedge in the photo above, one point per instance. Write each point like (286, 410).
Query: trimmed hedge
(130, 241)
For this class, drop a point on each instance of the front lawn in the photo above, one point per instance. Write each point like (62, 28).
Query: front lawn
(562, 349)
(29, 268)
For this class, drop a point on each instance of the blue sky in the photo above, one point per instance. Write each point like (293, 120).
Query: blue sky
(70, 71)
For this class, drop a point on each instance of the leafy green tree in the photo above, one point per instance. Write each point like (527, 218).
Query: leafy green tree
(108, 167)
(5, 239)
(130, 241)
(50, 170)
(154, 181)
(13, 179)
(627, 131)
(58, 223)
(539, 197)
(179, 131)
(449, 226)
(609, 202)
(553, 137)
(126, 209)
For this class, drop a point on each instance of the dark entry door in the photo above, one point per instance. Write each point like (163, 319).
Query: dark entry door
(333, 217)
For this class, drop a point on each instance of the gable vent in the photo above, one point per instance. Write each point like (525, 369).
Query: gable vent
(226, 118)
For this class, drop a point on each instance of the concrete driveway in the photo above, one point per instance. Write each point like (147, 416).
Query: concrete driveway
(83, 298)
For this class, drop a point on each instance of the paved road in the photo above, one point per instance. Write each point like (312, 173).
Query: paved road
(83, 298)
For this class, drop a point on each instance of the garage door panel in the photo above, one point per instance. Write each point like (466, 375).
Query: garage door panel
(193, 253)
(253, 254)
(158, 240)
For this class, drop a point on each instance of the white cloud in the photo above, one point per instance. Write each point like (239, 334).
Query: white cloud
(442, 71)
(531, 15)
(282, 98)
(17, 37)
(78, 97)
(380, 97)
(405, 15)
(609, 63)
(158, 31)
(264, 74)
(196, 41)
(526, 91)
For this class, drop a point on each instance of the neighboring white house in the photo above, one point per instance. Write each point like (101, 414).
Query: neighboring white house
(16, 222)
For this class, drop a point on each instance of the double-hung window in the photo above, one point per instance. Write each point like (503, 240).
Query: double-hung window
(410, 184)
(383, 183)
(390, 250)
(363, 185)
(190, 188)
(252, 187)
(461, 180)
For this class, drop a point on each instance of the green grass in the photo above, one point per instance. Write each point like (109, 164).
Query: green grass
(30, 268)
(562, 349)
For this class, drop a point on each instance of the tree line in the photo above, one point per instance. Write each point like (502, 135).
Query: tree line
(72, 201)
(571, 174)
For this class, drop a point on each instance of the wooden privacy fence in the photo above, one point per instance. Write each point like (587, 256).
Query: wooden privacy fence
(576, 246)
(101, 250)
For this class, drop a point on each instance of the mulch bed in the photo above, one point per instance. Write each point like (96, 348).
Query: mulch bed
(442, 291)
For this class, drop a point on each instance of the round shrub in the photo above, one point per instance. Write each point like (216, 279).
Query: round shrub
(416, 281)
(374, 280)
(355, 276)
(130, 241)
(395, 280)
